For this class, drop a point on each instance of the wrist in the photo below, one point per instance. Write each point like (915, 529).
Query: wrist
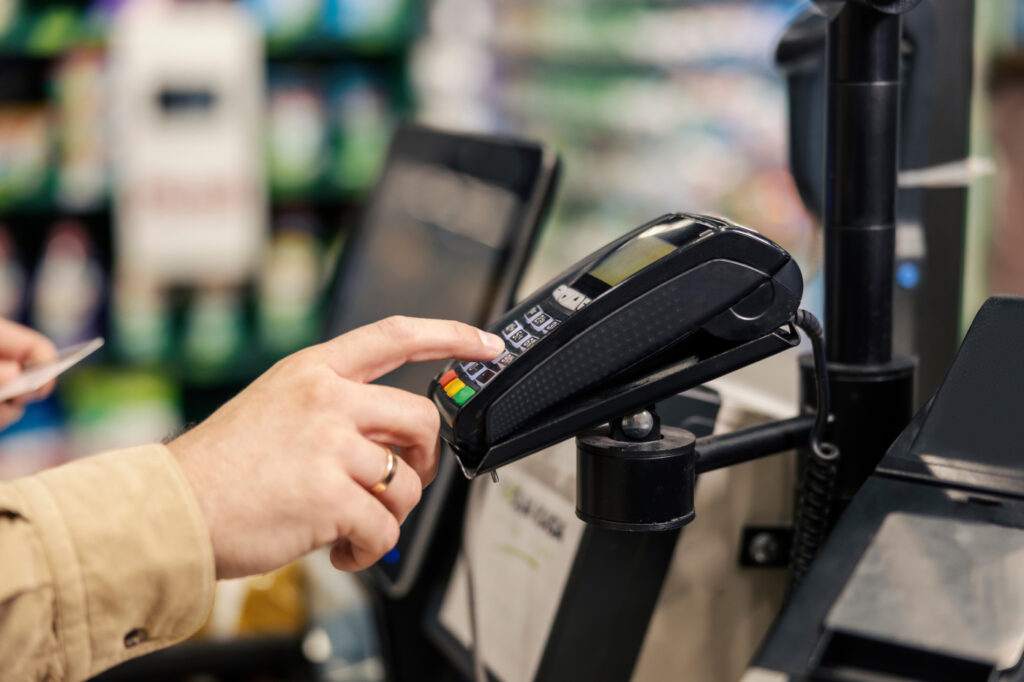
(187, 464)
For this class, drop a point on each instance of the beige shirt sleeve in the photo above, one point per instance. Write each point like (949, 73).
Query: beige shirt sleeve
(101, 560)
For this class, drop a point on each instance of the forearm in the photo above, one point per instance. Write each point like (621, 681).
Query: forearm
(119, 551)
(102, 560)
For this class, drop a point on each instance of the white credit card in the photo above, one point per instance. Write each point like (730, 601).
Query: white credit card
(36, 376)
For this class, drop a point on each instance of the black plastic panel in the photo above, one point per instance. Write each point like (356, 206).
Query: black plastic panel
(958, 459)
(974, 429)
(653, 321)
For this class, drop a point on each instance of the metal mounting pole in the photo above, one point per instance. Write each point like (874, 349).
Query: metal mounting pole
(872, 391)
(860, 204)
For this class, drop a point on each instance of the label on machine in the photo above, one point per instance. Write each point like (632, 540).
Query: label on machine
(523, 537)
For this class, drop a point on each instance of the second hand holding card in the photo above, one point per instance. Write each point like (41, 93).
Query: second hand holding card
(34, 377)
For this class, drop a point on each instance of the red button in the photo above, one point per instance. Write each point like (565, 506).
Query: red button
(448, 377)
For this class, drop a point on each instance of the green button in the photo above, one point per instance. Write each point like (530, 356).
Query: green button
(464, 395)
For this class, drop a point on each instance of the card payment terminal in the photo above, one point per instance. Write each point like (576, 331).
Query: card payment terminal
(680, 296)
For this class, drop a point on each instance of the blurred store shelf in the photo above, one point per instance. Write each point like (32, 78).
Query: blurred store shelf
(327, 49)
(654, 106)
(335, 82)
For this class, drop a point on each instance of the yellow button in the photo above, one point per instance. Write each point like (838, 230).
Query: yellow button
(454, 386)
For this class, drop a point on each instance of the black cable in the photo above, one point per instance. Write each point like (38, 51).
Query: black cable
(810, 326)
(819, 478)
(476, 658)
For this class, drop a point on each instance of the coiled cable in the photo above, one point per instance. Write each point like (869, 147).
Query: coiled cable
(819, 477)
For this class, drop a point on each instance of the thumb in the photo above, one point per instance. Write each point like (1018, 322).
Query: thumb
(9, 369)
(10, 413)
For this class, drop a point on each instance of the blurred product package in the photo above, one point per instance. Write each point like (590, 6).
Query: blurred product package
(286, 20)
(297, 133)
(275, 603)
(327, 132)
(109, 408)
(8, 15)
(289, 286)
(141, 323)
(12, 278)
(68, 289)
(361, 127)
(187, 93)
(309, 596)
(362, 23)
(366, 22)
(214, 336)
(25, 143)
(80, 93)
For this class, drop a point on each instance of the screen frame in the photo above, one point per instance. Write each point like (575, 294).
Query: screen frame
(413, 142)
(534, 189)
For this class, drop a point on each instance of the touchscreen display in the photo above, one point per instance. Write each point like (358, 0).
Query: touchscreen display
(445, 236)
(431, 248)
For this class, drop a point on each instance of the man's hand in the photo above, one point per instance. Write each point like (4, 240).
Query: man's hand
(286, 466)
(20, 346)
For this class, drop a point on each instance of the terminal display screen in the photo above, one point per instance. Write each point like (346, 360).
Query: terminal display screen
(646, 249)
(633, 257)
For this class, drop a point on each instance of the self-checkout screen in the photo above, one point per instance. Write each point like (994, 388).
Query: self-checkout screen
(445, 236)
(432, 248)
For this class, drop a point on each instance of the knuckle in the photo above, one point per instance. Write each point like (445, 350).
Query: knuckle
(347, 394)
(281, 366)
(341, 556)
(328, 484)
(456, 328)
(427, 415)
(320, 388)
(347, 513)
(299, 358)
(395, 326)
(326, 432)
(466, 334)
(297, 366)
(431, 471)
(389, 536)
(414, 490)
(324, 532)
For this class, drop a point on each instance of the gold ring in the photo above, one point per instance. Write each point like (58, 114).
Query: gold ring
(389, 473)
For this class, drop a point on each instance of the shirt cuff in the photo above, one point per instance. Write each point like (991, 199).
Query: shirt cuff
(129, 552)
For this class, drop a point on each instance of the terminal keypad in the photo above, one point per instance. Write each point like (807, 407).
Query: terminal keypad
(519, 335)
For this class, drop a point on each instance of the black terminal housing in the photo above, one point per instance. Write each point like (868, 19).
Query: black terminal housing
(676, 302)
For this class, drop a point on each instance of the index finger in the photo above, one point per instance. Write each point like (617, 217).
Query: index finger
(369, 352)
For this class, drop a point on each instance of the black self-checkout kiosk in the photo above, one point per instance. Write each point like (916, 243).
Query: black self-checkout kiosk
(418, 252)
(445, 235)
(674, 303)
(923, 576)
(636, 476)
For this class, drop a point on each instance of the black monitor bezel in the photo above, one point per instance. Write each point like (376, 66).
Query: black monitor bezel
(534, 188)
(448, 149)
